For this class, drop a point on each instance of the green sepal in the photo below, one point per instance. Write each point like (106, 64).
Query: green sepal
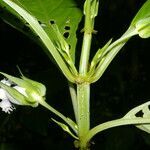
(27, 84)
(39, 86)
(141, 21)
(34, 90)
(16, 97)
(144, 108)
(65, 128)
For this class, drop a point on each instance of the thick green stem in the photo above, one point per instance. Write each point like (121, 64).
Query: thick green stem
(83, 88)
(83, 96)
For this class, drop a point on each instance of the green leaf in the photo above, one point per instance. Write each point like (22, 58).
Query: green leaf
(99, 56)
(144, 12)
(141, 21)
(143, 27)
(109, 52)
(144, 112)
(38, 29)
(64, 13)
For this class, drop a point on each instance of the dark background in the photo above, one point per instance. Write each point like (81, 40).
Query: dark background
(123, 86)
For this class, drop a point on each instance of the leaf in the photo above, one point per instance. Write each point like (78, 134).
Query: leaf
(141, 21)
(99, 56)
(143, 27)
(64, 13)
(65, 128)
(144, 12)
(144, 112)
(33, 22)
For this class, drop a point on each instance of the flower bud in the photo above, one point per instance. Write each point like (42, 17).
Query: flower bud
(24, 92)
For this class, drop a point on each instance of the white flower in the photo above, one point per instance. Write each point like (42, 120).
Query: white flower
(5, 104)
(7, 101)
(3, 94)
(7, 82)
(20, 91)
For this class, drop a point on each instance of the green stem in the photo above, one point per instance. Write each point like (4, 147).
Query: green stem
(83, 88)
(67, 120)
(83, 97)
(84, 60)
(87, 38)
(111, 124)
(73, 95)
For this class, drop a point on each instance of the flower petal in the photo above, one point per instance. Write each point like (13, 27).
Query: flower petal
(6, 106)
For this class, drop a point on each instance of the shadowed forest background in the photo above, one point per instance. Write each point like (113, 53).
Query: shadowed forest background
(125, 84)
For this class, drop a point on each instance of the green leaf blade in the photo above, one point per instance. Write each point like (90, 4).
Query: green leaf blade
(144, 109)
(141, 21)
(144, 12)
(64, 13)
(38, 29)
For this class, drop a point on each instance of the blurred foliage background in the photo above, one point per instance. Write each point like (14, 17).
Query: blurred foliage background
(123, 86)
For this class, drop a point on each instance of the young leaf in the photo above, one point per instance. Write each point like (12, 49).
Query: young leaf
(65, 128)
(98, 56)
(110, 52)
